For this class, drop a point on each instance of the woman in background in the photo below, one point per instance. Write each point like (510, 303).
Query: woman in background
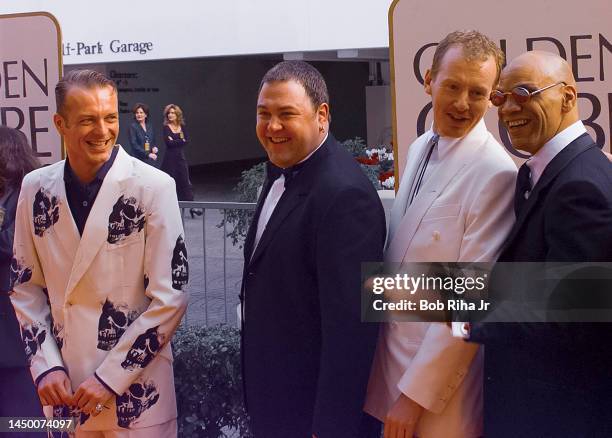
(142, 136)
(18, 397)
(175, 163)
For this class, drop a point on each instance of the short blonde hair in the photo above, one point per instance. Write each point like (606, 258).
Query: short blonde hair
(177, 110)
(476, 47)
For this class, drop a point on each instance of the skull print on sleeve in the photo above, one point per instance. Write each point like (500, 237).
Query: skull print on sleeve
(133, 345)
(180, 265)
(34, 213)
(131, 404)
(19, 273)
(114, 321)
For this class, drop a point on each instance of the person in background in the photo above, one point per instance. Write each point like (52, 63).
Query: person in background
(142, 135)
(18, 396)
(175, 164)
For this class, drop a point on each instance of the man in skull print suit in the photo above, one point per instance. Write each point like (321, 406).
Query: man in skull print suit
(99, 233)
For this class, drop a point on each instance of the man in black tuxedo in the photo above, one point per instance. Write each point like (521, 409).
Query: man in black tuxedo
(550, 379)
(306, 353)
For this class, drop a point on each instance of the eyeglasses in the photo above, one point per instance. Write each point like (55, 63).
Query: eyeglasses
(519, 94)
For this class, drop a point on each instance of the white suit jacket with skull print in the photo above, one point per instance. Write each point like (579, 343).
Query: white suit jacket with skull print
(106, 302)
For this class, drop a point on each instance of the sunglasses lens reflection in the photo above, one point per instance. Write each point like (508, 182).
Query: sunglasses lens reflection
(520, 94)
(498, 98)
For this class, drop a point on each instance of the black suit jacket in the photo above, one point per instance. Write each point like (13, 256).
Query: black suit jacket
(138, 138)
(306, 353)
(545, 379)
(12, 353)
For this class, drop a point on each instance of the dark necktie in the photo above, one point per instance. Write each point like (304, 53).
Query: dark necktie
(274, 172)
(418, 177)
(523, 188)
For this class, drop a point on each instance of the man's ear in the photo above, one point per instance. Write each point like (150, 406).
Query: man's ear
(427, 82)
(323, 114)
(570, 96)
(60, 123)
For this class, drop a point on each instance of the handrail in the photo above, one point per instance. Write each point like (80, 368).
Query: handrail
(218, 205)
(223, 207)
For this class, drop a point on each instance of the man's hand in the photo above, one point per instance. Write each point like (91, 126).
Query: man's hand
(402, 418)
(54, 389)
(89, 394)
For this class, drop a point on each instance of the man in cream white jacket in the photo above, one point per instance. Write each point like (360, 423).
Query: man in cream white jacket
(454, 205)
(98, 269)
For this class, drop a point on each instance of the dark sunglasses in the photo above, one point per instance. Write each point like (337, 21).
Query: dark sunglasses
(519, 94)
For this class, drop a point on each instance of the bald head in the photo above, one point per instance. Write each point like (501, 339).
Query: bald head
(547, 112)
(547, 64)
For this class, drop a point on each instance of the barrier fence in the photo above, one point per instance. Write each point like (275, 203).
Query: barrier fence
(215, 265)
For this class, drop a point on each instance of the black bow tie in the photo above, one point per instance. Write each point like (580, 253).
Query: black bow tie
(274, 172)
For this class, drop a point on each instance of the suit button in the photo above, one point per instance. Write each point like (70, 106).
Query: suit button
(251, 274)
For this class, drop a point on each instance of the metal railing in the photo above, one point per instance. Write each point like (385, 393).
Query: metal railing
(198, 287)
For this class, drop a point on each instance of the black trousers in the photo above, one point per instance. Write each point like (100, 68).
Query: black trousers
(370, 427)
(18, 397)
(175, 165)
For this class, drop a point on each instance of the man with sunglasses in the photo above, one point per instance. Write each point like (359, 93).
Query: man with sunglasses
(550, 379)
(454, 205)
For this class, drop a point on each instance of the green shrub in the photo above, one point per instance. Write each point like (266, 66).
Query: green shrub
(208, 380)
(356, 146)
(250, 182)
(372, 173)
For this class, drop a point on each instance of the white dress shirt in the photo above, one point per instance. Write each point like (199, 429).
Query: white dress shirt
(274, 195)
(437, 155)
(538, 162)
(445, 144)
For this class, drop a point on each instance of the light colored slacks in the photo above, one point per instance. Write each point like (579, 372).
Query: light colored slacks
(168, 429)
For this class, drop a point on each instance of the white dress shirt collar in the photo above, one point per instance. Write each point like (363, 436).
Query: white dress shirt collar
(272, 199)
(445, 144)
(538, 162)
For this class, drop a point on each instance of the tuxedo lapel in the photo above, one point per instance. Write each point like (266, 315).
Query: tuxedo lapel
(293, 196)
(401, 200)
(96, 228)
(250, 237)
(460, 156)
(551, 171)
(288, 202)
(430, 191)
